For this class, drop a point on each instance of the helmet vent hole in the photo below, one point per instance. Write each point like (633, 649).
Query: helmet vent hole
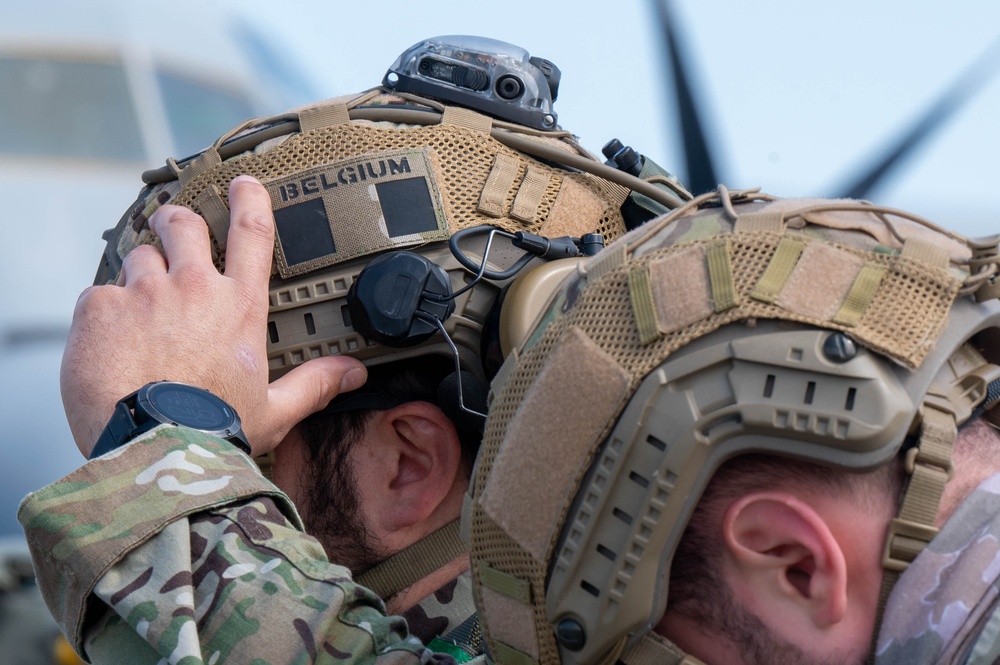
(769, 386)
(310, 324)
(810, 392)
(656, 443)
(272, 332)
(638, 480)
(622, 515)
(590, 588)
(852, 393)
(606, 553)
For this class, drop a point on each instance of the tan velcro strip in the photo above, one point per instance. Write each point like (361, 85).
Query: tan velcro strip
(504, 583)
(508, 655)
(493, 200)
(573, 212)
(529, 195)
(681, 290)
(926, 251)
(820, 281)
(216, 215)
(606, 261)
(462, 117)
(760, 221)
(542, 450)
(643, 307)
(860, 296)
(323, 116)
(510, 622)
(720, 275)
(779, 269)
(199, 165)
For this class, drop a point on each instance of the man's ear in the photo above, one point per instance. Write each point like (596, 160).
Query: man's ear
(785, 560)
(419, 458)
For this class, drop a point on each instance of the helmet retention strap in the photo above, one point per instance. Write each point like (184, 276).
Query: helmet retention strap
(409, 565)
(929, 467)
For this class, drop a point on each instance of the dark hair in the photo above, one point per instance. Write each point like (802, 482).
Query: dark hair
(412, 380)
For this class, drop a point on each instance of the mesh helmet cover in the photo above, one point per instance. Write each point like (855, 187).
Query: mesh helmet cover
(345, 190)
(730, 286)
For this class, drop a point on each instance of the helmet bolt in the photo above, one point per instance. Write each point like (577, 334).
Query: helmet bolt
(839, 348)
(571, 635)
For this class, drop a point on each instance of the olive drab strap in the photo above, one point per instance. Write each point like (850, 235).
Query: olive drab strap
(929, 466)
(652, 649)
(415, 562)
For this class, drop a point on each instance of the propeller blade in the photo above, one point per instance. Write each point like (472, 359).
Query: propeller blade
(701, 176)
(933, 119)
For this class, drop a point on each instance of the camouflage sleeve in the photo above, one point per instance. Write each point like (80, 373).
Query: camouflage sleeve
(175, 549)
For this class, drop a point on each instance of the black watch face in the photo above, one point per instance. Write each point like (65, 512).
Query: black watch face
(191, 407)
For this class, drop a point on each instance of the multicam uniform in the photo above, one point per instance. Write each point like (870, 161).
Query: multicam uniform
(174, 549)
(946, 607)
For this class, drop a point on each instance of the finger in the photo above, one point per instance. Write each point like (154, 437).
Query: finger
(141, 262)
(250, 246)
(309, 388)
(184, 236)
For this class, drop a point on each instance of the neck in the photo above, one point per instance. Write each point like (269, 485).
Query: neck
(975, 460)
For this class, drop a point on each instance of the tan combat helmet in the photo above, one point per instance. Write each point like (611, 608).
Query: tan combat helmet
(402, 212)
(824, 330)
(452, 200)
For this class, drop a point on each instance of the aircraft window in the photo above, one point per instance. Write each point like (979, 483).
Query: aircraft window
(199, 113)
(64, 108)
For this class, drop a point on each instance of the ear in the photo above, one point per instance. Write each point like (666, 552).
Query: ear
(786, 560)
(417, 457)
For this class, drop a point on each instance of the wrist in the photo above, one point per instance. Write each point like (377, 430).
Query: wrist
(170, 403)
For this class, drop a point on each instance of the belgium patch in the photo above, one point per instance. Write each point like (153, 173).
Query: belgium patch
(358, 206)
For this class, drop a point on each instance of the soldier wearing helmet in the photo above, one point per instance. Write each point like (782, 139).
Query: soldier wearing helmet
(399, 217)
(787, 453)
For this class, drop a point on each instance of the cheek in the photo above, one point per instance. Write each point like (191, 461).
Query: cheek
(367, 471)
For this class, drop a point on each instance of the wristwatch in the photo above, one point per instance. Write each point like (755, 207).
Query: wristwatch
(170, 403)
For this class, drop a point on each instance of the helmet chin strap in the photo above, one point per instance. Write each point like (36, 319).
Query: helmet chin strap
(411, 564)
(929, 467)
(653, 649)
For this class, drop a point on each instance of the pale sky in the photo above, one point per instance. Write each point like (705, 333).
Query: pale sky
(799, 94)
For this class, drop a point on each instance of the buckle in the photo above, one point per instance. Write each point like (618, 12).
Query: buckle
(904, 541)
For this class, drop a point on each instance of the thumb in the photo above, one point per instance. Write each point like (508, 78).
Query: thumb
(307, 389)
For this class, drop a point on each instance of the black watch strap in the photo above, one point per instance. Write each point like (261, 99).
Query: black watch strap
(141, 411)
(121, 428)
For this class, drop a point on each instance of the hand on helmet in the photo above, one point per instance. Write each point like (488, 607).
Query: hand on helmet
(173, 316)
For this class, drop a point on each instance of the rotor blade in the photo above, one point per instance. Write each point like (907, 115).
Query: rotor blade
(933, 119)
(701, 176)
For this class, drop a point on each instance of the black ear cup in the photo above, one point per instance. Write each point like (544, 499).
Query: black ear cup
(398, 299)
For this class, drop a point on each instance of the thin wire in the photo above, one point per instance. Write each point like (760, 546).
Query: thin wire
(458, 361)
